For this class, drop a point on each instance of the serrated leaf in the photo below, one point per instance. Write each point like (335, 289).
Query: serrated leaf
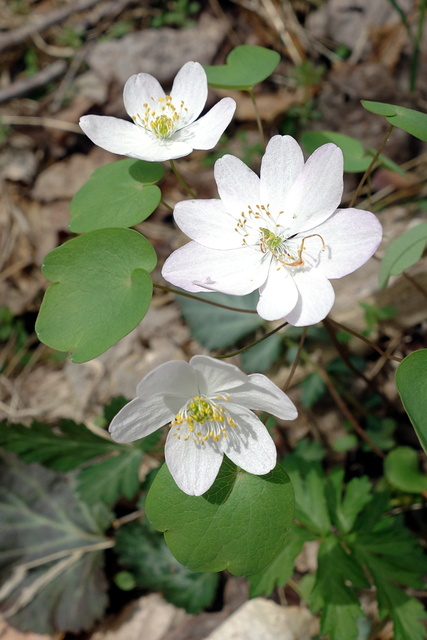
(222, 529)
(279, 570)
(346, 501)
(246, 66)
(143, 551)
(410, 120)
(357, 158)
(217, 328)
(51, 558)
(108, 479)
(401, 468)
(120, 194)
(411, 383)
(402, 253)
(262, 356)
(101, 290)
(60, 448)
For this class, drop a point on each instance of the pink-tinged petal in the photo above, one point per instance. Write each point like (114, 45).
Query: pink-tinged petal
(249, 445)
(191, 87)
(139, 418)
(278, 295)
(238, 186)
(217, 376)
(141, 89)
(351, 237)
(207, 222)
(315, 298)
(128, 139)
(261, 394)
(193, 466)
(317, 191)
(175, 377)
(197, 268)
(283, 161)
(205, 132)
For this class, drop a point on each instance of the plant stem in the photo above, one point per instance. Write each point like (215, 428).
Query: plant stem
(417, 46)
(297, 359)
(415, 284)
(364, 339)
(249, 346)
(342, 351)
(258, 117)
(166, 205)
(189, 295)
(371, 166)
(180, 179)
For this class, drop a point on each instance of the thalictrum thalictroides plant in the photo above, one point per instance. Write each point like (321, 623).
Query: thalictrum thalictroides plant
(164, 126)
(209, 406)
(280, 232)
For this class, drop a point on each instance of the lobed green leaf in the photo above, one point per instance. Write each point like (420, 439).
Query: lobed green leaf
(403, 252)
(411, 383)
(401, 468)
(410, 120)
(246, 66)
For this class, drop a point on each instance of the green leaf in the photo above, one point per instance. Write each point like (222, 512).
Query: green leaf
(337, 572)
(278, 572)
(308, 481)
(120, 194)
(357, 158)
(107, 480)
(61, 448)
(222, 529)
(346, 501)
(246, 66)
(51, 551)
(101, 291)
(143, 551)
(262, 356)
(217, 328)
(403, 252)
(411, 383)
(414, 122)
(401, 468)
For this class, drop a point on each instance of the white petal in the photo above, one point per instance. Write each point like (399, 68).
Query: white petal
(191, 87)
(238, 186)
(140, 89)
(139, 418)
(197, 268)
(263, 395)
(249, 445)
(218, 376)
(175, 377)
(207, 222)
(316, 297)
(193, 466)
(128, 139)
(278, 295)
(351, 237)
(205, 132)
(317, 191)
(282, 162)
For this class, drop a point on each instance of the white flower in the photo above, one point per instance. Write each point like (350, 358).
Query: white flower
(164, 126)
(281, 233)
(208, 404)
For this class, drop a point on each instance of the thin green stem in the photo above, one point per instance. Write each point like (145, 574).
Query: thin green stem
(249, 346)
(417, 46)
(364, 339)
(189, 295)
(297, 359)
(180, 179)
(371, 166)
(258, 117)
(166, 205)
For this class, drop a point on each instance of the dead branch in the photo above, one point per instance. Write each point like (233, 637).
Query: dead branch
(40, 79)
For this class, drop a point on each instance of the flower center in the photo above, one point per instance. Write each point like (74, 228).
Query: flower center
(260, 229)
(202, 418)
(161, 117)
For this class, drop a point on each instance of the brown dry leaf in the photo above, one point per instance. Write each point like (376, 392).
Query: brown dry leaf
(270, 105)
(388, 42)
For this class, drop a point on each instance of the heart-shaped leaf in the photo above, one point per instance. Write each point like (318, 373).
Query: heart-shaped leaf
(222, 529)
(120, 194)
(246, 66)
(411, 383)
(410, 120)
(403, 252)
(401, 468)
(101, 290)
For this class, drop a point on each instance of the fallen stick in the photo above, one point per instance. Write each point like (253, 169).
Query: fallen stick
(26, 85)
